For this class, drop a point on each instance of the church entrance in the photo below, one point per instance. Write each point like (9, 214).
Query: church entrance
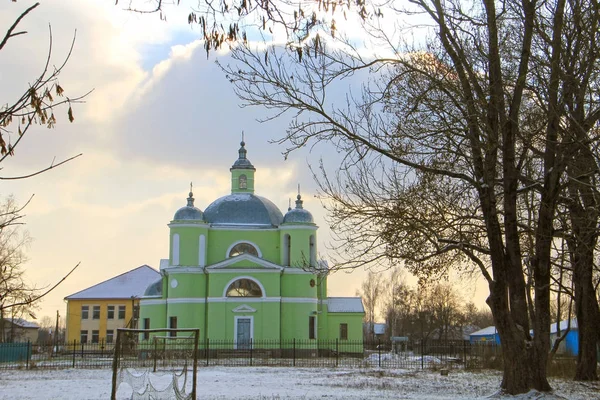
(243, 332)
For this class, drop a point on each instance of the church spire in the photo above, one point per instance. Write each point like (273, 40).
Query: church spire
(242, 172)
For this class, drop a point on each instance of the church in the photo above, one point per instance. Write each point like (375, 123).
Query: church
(243, 271)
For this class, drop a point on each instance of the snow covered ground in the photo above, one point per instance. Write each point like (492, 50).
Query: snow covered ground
(267, 383)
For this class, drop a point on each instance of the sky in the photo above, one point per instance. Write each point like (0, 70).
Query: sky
(161, 115)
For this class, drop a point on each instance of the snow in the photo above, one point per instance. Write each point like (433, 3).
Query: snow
(345, 304)
(130, 283)
(490, 330)
(289, 383)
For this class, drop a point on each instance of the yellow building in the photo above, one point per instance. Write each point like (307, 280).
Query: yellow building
(95, 313)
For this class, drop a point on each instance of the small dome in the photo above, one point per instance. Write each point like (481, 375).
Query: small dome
(298, 215)
(188, 212)
(242, 162)
(155, 289)
(243, 209)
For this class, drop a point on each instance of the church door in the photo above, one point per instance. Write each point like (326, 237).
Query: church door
(243, 332)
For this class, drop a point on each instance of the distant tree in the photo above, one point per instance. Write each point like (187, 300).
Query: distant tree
(370, 292)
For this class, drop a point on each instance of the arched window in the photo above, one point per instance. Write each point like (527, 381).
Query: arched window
(243, 184)
(242, 248)
(244, 288)
(313, 251)
(287, 247)
(175, 249)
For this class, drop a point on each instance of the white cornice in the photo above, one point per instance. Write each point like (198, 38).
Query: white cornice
(310, 300)
(261, 228)
(187, 225)
(244, 308)
(201, 300)
(294, 227)
(244, 257)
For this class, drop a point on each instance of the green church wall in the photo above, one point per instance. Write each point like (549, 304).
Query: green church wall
(298, 285)
(188, 285)
(189, 238)
(221, 240)
(270, 281)
(235, 179)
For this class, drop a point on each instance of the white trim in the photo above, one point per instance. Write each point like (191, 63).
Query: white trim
(244, 308)
(241, 227)
(244, 299)
(235, 328)
(202, 250)
(200, 300)
(294, 227)
(243, 241)
(173, 269)
(183, 300)
(175, 249)
(237, 278)
(244, 257)
(309, 300)
(152, 302)
(242, 270)
(187, 225)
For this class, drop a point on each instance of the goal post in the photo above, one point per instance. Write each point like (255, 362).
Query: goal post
(142, 349)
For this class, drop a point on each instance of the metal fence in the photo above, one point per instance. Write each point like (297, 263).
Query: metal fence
(415, 354)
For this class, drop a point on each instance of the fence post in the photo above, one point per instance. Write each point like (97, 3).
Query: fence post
(294, 353)
(155, 354)
(379, 350)
(28, 355)
(82, 350)
(207, 348)
(422, 352)
(74, 351)
(337, 351)
(465, 353)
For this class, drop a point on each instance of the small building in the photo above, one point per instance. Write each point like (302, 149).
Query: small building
(570, 344)
(16, 330)
(94, 314)
(485, 335)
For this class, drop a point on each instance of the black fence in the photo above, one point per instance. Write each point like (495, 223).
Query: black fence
(414, 354)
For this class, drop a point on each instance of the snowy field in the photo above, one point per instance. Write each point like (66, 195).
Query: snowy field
(285, 383)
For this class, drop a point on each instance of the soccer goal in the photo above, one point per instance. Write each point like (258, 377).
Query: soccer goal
(155, 364)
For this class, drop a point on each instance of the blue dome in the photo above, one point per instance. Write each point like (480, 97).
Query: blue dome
(243, 209)
(298, 215)
(188, 212)
(155, 289)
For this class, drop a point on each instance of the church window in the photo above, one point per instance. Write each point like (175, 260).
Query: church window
(242, 248)
(343, 331)
(244, 288)
(313, 251)
(287, 247)
(172, 325)
(175, 249)
(311, 327)
(243, 182)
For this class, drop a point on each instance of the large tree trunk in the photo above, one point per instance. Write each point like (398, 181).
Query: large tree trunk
(583, 208)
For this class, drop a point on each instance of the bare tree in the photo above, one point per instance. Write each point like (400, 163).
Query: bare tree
(450, 124)
(370, 291)
(35, 106)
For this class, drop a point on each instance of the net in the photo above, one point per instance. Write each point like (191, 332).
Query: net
(165, 363)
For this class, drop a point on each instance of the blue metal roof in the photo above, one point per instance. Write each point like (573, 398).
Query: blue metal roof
(243, 209)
